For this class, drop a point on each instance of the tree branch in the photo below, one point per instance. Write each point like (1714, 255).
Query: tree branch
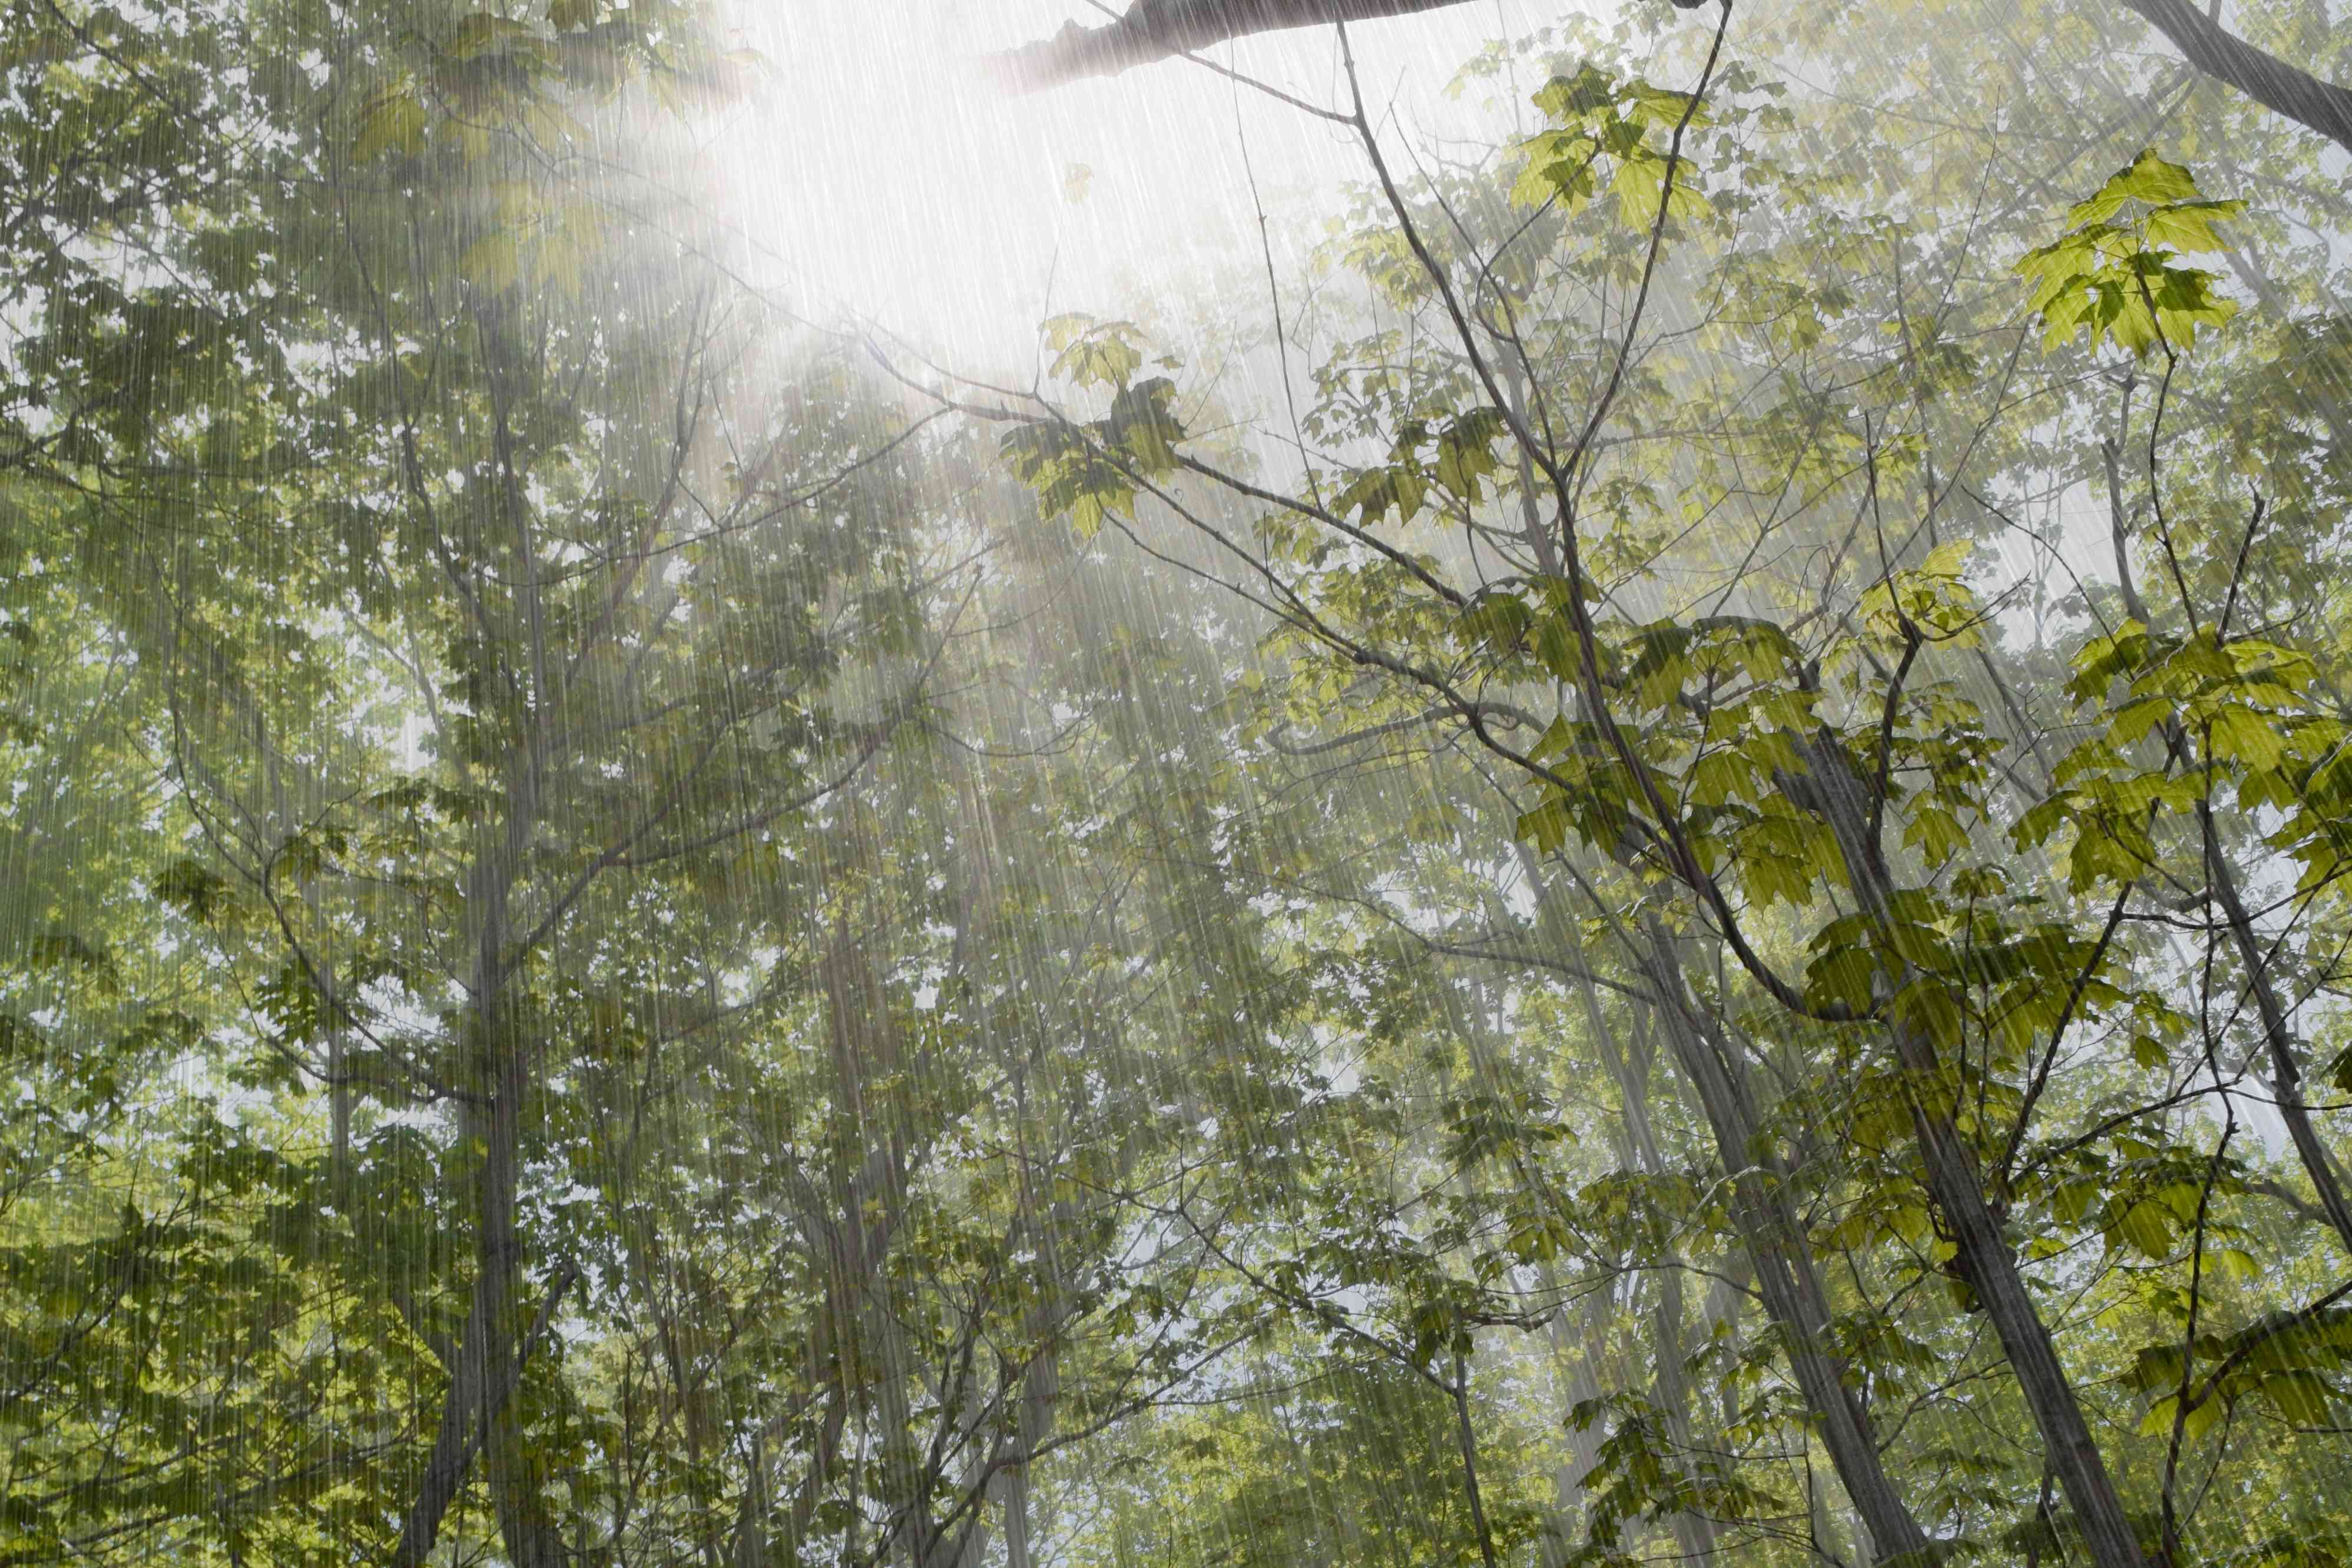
(2270, 81)
(1154, 30)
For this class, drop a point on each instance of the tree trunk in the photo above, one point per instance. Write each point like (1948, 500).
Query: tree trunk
(1578, 1362)
(2260, 75)
(475, 1411)
(2286, 1074)
(1786, 1276)
(1693, 1532)
(1775, 1239)
(478, 1411)
(1829, 788)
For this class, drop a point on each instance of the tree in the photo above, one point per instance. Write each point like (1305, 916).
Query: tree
(1641, 759)
(1656, 873)
(1154, 30)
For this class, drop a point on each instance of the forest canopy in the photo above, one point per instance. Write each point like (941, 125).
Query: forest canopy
(1615, 832)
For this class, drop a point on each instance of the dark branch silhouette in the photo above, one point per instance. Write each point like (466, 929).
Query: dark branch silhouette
(2270, 81)
(1154, 30)
(1163, 29)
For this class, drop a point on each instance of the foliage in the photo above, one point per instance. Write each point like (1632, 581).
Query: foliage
(1686, 901)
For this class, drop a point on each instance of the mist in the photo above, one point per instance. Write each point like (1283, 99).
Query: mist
(1336, 782)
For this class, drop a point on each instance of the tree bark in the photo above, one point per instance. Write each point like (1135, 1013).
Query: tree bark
(2262, 75)
(475, 1411)
(1161, 29)
(1693, 1532)
(479, 1413)
(1579, 1365)
(2286, 1074)
(1794, 1296)
(1773, 1234)
(1829, 788)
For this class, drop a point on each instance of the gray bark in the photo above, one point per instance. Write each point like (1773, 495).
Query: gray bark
(1986, 1260)
(2286, 1074)
(1785, 1277)
(1154, 30)
(1773, 1234)
(2262, 75)
(1693, 1533)
(1161, 29)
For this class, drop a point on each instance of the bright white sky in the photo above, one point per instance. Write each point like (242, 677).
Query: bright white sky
(886, 172)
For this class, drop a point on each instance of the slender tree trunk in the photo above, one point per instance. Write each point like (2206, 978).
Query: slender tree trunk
(1778, 1247)
(2286, 1074)
(1984, 1256)
(1724, 1300)
(749, 1548)
(512, 1468)
(1041, 1390)
(1467, 1439)
(1693, 1532)
(1786, 1276)
(1012, 1506)
(480, 1411)
(1578, 1350)
(868, 1199)
(477, 1412)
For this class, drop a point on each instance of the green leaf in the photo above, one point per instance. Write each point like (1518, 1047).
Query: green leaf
(486, 32)
(2146, 1226)
(1547, 826)
(2147, 178)
(1142, 425)
(493, 263)
(196, 889)
(391, 121)
(1095, 353)
(2189, 224)
(2239, 734)
(2302, 1397)
(1465, 452)
(2115, 281)
(1377, 491)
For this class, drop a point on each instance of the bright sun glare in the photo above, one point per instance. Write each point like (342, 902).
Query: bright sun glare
(877, 169)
